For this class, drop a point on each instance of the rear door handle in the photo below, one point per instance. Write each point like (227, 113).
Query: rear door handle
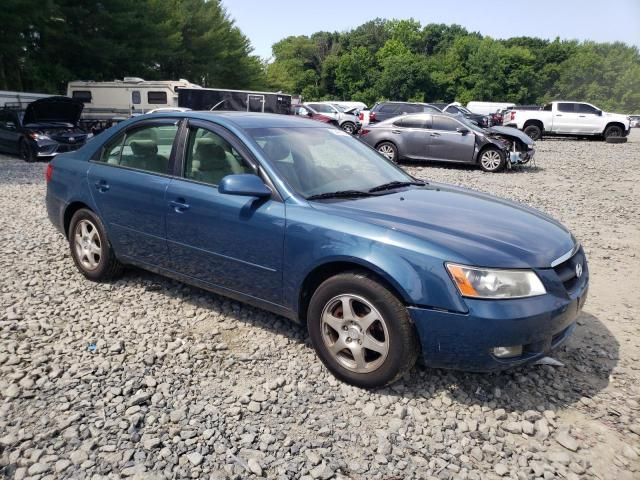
(582, 116)
(179, 205)
(396, 131)
(102, 186)
(557, 115)
(434, 134)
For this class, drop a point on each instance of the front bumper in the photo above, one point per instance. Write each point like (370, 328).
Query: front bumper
(50, 149)
(466, 341)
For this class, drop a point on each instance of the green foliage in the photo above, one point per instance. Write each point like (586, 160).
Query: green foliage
(47, 43)
(403, 60)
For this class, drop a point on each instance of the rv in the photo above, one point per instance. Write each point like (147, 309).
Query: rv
(216, 99)
(106, 102)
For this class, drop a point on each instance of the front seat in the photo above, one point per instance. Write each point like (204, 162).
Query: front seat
(210, 164)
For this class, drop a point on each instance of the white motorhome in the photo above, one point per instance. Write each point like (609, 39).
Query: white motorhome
(487, 108)
(107, 101)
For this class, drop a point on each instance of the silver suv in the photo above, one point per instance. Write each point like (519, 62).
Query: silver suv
(346, 118)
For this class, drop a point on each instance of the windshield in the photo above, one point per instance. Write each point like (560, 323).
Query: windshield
(473, 126)
(464, 110)
(315, 161)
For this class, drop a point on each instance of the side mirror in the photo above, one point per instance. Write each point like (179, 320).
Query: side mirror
(244, 184)
(599, 113)
(463, 131)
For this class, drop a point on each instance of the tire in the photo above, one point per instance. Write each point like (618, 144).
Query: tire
(390, 332)
(616, 139)
(389, 150)
(614, 131)
(348, 127)
(533, 131)
(491, 160)
(90, 248)
(26, 152)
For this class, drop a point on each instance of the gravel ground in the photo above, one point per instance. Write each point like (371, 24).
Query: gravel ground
(181, 383)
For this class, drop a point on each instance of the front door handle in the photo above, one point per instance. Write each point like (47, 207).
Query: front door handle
(102, 186)
(396, 131)
(434, 134)
(179, 205)
(558, 115)
(582, 116)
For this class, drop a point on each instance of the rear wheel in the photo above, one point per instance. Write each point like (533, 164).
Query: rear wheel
(533, 131)
(26, 152)
(389, 150)
(492, 160)
(348, 127)
(361, 331)
(614, 131)
(91, 251)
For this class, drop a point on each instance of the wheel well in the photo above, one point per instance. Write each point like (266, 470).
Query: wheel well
(71, 209)
(537, 123)
(323, 272)
(614, 124)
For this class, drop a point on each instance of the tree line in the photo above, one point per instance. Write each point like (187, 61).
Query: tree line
(46, 43)
(403, 60)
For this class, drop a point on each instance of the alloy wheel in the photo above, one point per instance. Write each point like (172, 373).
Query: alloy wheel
(88, 244)
(348, 127)
(491, 159)
(355, 333)
(387, 151)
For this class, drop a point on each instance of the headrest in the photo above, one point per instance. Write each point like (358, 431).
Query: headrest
(211, 156)
(277, 148)
(144, 148)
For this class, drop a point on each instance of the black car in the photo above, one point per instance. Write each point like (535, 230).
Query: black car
(457, 109)
(385, 110)
(44, 128)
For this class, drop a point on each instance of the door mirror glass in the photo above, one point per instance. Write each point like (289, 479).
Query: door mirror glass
(245, 184)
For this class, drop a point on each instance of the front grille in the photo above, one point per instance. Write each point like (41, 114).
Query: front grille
(567, 270)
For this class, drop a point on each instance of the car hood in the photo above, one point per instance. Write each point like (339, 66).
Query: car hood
(53, 109)
(616, 116)
(513, 133)
(461, 225)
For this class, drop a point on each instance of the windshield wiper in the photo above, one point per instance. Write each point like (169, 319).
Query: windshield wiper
(396, 184)
(340, 194)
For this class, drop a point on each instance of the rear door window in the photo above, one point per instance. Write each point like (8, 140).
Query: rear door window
(322, 107)
(413, 121)
(566, 107)
(389, 108)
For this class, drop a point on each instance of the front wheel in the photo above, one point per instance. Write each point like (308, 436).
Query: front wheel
(361, 331)
(91, 251)
(613, 131)
(348, 127)
(389, 150)
(26, 152)
(492, 160)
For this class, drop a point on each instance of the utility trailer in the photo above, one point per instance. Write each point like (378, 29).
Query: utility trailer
(216, 99)
(20, 98)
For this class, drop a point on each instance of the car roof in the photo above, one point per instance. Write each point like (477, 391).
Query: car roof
(247, 119)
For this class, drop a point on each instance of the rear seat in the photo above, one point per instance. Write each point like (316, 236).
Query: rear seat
(145, 157)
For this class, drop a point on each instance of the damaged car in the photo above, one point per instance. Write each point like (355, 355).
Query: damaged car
(42, 129)
(448, 138)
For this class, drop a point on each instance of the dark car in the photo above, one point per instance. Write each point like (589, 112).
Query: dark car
(308, 112)
(385, 110)
(459, 110)
(303, 220)
(45, 128)
(448, 138)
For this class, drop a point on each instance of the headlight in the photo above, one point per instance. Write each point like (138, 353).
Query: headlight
(39, 136)
(494, 283)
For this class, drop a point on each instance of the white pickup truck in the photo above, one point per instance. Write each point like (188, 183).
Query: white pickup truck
(568, 118)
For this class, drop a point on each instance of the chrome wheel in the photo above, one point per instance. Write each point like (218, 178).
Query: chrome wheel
(355, 333)
(491, 159)
(88, 244)
(387, 151)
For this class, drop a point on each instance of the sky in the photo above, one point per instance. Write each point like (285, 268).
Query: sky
(267, 21)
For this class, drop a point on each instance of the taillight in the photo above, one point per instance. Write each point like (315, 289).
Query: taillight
(513, 115)
(364, 131)
(361, 116)
(372, 117)
(48, 173)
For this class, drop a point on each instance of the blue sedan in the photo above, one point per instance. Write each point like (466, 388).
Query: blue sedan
(303, 220)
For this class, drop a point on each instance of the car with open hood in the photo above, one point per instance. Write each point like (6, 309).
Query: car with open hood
(302, 219)
(42, 129)
(447, 138)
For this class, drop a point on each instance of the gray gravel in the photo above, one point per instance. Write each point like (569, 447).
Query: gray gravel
(186, 384)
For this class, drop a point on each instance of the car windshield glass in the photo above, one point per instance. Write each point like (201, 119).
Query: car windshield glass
(470, 124)
(316, 161)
